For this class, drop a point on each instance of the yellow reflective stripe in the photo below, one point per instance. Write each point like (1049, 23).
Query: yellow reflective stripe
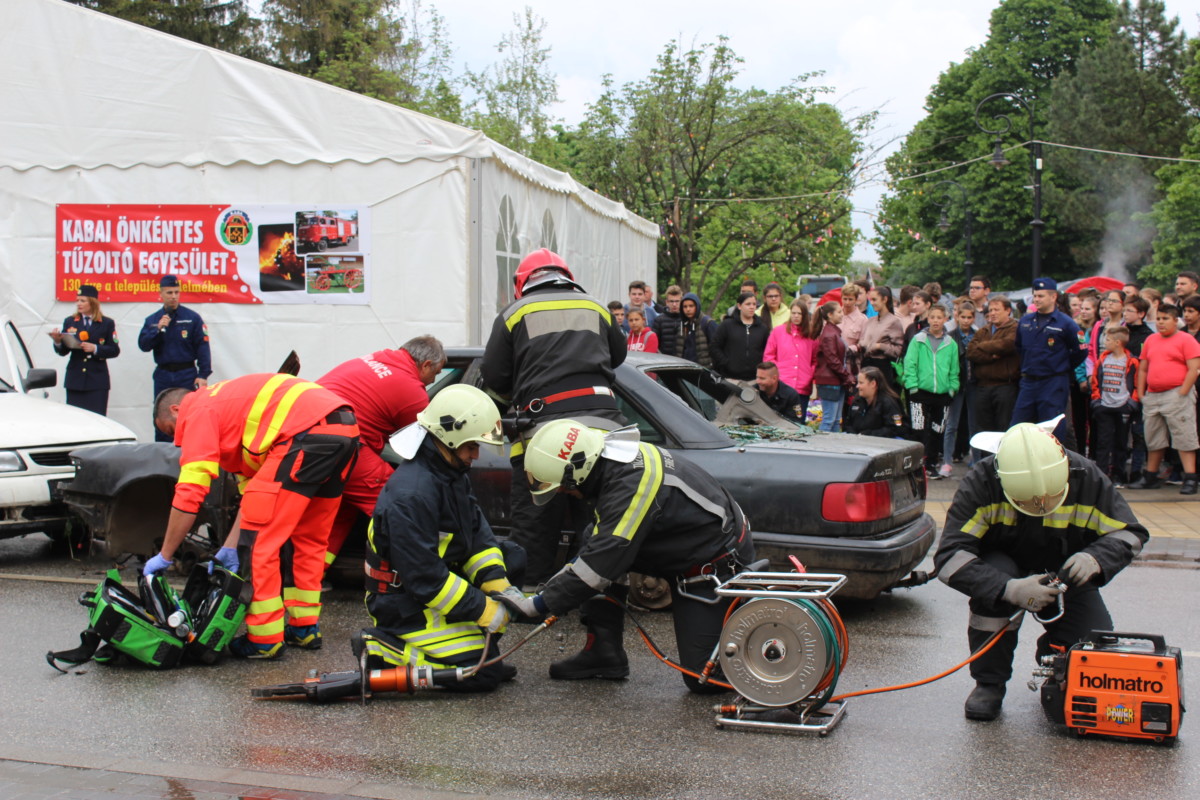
(1083, 516)
(490, 557)
(441, 633)
(647, 490)
(265, 606)
(443, 543)
(254, 418)
(307, 596)
(557, 305)
(311, 613)
(452, 591)
(517, 449)
(987, 516)
(330, 558)
(200, 473)
(272, 628)
(281, 414)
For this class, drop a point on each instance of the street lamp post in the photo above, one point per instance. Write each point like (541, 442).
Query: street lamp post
(944, 221)
(998, 160)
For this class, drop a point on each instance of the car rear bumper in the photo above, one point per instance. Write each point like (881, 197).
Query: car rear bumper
(870, 565)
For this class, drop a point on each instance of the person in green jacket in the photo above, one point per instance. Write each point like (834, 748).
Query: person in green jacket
(931, 377)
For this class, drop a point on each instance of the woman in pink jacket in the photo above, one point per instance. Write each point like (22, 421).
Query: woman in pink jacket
(794, 351)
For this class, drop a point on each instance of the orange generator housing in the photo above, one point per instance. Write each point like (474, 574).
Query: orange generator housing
(1117, 684)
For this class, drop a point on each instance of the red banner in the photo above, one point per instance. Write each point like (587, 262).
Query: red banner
(124, 250)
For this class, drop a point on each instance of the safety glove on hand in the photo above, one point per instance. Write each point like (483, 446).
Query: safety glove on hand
(520, 606)
(227, 557)
(156, 565)
(1080, 568)
(1032, 593)
(494, 617)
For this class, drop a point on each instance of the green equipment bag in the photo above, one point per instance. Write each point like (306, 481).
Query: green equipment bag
(217, 610)
(161, 626)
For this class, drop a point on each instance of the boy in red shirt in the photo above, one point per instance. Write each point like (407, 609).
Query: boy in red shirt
(1166, 382)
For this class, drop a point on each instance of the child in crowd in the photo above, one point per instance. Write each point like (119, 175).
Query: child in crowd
(617, 309)
(641, 339)
(962, 407)
(931, 377)
(1114, 402)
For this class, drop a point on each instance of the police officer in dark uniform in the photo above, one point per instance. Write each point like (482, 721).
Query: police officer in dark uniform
(179, 340)
(1049, 348)
(552, 352)
(89, 339)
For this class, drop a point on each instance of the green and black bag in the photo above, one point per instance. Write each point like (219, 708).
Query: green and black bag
(161, 626)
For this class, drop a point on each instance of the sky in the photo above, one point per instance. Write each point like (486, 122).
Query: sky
(882, 55)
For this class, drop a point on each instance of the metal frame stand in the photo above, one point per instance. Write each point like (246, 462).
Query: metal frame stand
(802, 715)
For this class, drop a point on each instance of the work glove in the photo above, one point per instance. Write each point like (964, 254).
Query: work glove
(495, 585)
(494, 616)
(520, 606)
(1032, 593)
(156, 565)
(227, 557)
(1080, 568)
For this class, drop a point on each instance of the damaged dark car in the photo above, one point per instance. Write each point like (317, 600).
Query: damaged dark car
(839, 503)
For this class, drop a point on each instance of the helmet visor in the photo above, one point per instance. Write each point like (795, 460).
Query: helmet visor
(542, 491)
(494, 437)
(1040, 505)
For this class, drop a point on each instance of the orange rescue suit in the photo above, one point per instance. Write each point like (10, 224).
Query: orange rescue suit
(291, 444)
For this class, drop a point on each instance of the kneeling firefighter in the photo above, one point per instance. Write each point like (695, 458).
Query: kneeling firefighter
(655, 513)
(1020, 516)
(432, 559)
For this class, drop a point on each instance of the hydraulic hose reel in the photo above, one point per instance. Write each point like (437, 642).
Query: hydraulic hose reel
(782, 649)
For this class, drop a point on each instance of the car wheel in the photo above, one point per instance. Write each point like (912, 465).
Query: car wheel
(649, 593)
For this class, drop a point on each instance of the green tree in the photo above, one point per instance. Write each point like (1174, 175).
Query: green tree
(1030, 43)
(224, 24)
(514, 95)
(1125, 96)
(684, 147)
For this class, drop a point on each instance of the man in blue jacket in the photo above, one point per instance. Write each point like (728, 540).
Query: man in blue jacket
(179, 340)
(1049, 349)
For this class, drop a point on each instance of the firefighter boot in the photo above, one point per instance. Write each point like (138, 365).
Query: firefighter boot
(984, 702)
(603, 656)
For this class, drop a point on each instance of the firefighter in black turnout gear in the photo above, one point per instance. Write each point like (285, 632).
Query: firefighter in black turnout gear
(1029, 510)
(655, 513)
(552, 352)
(432, 559)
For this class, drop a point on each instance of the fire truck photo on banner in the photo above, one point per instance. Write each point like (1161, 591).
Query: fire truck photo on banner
(238, 253)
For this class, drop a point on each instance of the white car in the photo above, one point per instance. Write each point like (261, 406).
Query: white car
(37, 436)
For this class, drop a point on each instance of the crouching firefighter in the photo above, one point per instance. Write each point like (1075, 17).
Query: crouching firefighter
(432, 559)
(1028, 514)
(291, 445)
(655, 513)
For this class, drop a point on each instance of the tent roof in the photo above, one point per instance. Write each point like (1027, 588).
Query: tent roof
(85, 90)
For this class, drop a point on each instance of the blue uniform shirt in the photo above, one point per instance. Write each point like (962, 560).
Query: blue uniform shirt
(1048, 344)
(183, 341)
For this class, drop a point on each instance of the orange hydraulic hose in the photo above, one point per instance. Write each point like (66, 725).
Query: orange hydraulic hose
(988, 645)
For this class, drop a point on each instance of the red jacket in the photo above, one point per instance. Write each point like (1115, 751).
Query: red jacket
(831, 358)
(232, 425)
(385, 391)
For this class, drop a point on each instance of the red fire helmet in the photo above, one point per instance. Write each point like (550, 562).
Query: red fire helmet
(538, 260)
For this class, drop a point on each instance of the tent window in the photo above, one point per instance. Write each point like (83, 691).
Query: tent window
(508, 252)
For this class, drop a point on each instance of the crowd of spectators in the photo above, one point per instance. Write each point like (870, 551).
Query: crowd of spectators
(923, 365)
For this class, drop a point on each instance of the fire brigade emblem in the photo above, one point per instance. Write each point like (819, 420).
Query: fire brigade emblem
(235, 228)
(1050, 342)
(183, 333)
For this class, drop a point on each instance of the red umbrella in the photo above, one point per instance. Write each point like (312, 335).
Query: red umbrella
(1100, 283)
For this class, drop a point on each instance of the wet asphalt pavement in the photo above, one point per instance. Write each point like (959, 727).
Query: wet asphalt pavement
(641, 738)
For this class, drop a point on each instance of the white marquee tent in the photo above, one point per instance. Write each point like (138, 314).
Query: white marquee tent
(100, 111)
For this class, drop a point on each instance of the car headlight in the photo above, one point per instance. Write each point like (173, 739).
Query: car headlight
(10, 461)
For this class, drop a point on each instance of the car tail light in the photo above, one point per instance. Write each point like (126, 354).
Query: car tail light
(856, 502)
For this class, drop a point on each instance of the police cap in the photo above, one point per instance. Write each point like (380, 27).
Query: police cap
(1047, 284)
(168, 280)
(87, 290)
